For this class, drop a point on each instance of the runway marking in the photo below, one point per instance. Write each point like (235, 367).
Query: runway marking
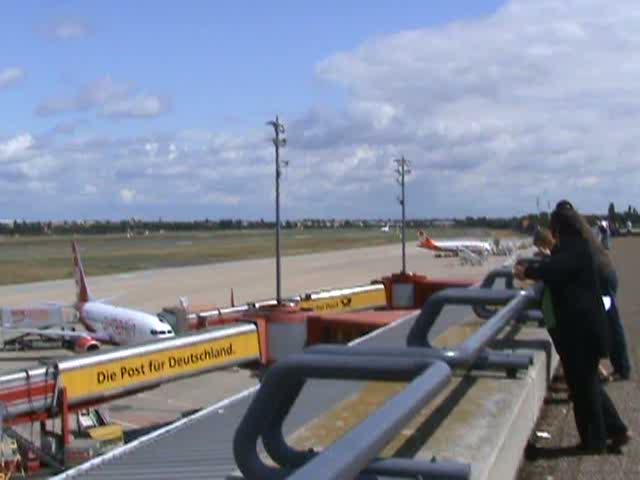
(123, 423)
(179, 403)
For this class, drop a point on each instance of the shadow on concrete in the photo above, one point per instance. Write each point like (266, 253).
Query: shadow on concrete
(135, 433)
(509, 341)
(534, 452)
(415, 442)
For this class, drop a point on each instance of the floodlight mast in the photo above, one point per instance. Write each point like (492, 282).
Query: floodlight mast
(402, 170)
(278, 142)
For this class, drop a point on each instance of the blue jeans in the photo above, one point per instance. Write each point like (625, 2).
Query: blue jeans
(618, 353)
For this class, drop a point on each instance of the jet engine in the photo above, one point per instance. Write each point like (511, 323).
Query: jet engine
(85, 344)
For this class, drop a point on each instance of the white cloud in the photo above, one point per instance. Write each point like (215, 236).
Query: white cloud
(219, 198)
(16, 147)
(37, 167)
(107, 98)
(173, 152)
(127, 195)
(136, 106)
(497, 108)
(539, 99)
(11, 76)
(68, 29)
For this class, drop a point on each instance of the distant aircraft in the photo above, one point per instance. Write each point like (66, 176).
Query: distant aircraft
(455, 246)
(105, 323)
(385, 229)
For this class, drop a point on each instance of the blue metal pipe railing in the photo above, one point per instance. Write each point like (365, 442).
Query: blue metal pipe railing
(284, 381)
(471, 347)
(419, 333)
(350, 455)
(489, 281)
(486, 360)
(429, 368)
(273, 437)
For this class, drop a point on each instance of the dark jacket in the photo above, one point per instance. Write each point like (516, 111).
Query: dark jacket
(571, 275)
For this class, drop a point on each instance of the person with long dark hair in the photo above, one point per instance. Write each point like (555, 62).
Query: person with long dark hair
(570, 273)
(608, 278)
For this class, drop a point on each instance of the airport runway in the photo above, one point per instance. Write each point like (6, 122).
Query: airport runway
(251, 279)
(210, 284)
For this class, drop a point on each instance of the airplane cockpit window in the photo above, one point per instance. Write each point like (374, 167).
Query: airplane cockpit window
(155, 332)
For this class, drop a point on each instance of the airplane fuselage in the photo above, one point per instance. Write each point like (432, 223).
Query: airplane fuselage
(122, 326)
(471, 245)
(455, 246)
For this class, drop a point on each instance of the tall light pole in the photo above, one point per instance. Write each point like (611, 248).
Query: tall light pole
(402, 170)
(278, 142)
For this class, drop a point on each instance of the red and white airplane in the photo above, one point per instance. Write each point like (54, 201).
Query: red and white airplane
(455, 246)
(105, 323)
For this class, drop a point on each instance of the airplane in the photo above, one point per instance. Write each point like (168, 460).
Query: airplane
(386, 228)
(455, 246)
(105, 323)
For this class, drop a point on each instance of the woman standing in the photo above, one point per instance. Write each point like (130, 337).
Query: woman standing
(608, 278)
(570, 273)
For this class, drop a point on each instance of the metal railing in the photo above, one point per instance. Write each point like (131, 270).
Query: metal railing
(427, 369)
(489, 281)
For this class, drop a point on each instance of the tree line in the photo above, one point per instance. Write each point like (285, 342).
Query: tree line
(524, 224)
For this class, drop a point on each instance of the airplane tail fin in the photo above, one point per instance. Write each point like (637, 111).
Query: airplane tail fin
(425, 241)
(82, 289)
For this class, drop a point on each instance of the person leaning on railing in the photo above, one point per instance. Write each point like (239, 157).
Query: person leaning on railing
(544, 243)
(618, 353)
(608, 278)
(581, 329)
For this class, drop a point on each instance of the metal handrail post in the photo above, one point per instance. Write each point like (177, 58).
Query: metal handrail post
(261, 420)
(350, 455)
(418, 335)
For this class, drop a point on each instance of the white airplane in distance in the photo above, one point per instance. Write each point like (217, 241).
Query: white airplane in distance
(386, 228)
(106, 323)
(455, 246)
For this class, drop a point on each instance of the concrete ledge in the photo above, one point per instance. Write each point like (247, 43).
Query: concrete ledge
(483, 419)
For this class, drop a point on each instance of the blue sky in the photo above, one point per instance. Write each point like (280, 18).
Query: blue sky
(116, 109)
(221, 63)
